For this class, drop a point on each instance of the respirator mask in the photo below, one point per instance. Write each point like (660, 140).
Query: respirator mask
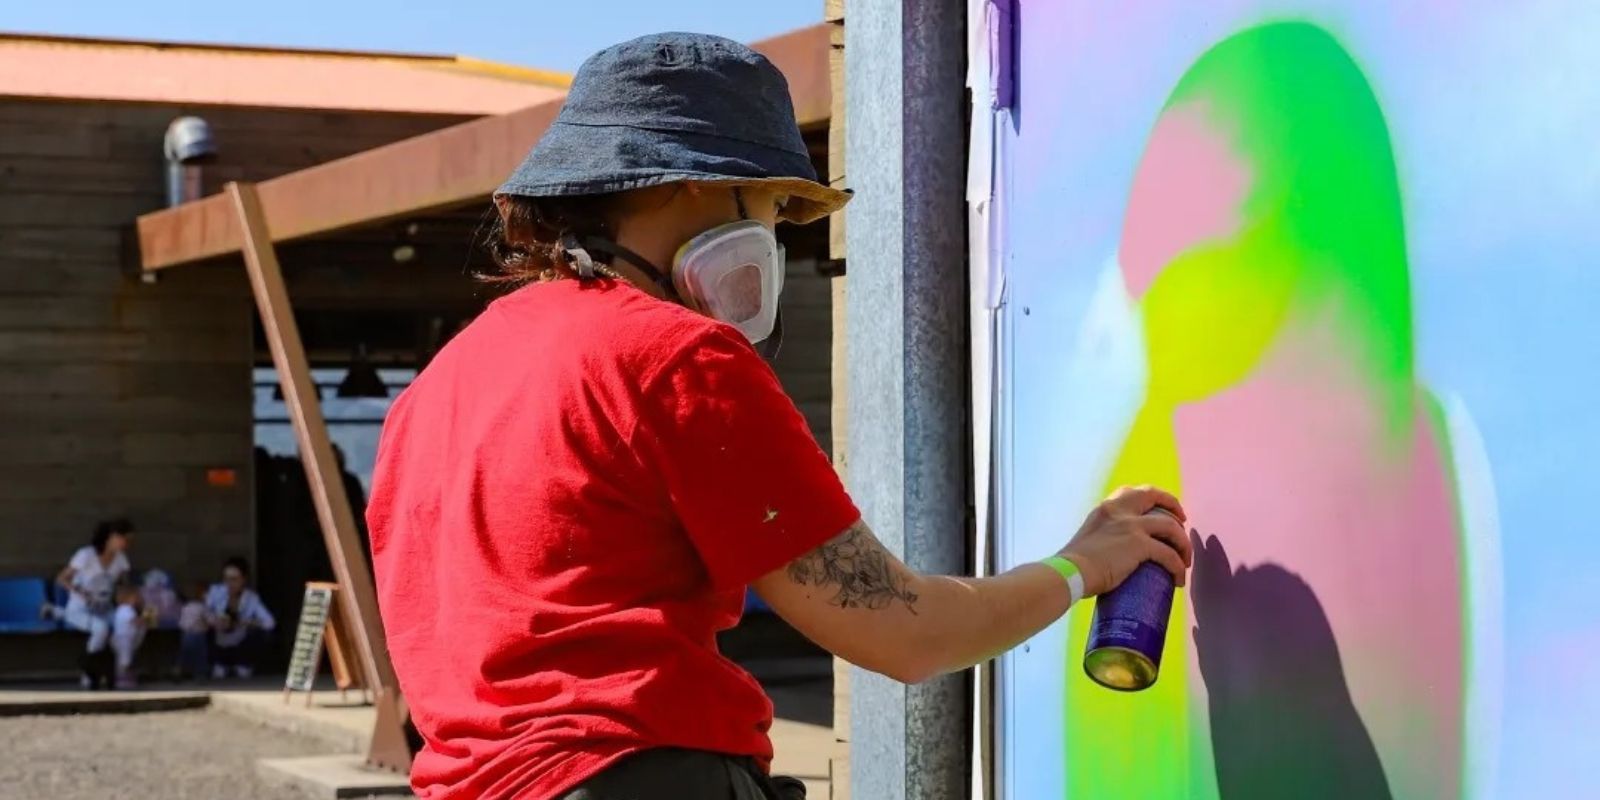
(732, 273)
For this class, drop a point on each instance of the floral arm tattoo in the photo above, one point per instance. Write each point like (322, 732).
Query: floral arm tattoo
(857, 569)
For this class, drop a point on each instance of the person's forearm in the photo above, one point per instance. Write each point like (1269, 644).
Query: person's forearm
(965, 621)
(857, 600)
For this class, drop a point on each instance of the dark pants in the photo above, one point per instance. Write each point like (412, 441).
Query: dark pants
(243, 654)
(193, 661)
(670, 774)
(99, 667)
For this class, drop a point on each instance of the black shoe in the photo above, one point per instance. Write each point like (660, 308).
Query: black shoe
(87, 677)
(101, 668)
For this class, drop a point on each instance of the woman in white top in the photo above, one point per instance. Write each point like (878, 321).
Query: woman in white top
(90, 578)
(239, 620)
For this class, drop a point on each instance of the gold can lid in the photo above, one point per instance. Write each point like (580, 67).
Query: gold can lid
(1120, 668)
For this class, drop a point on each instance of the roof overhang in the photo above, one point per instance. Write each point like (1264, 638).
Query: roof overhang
(440, 170)
(75, 70)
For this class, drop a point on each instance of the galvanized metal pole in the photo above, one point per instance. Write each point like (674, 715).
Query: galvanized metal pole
(908, 443)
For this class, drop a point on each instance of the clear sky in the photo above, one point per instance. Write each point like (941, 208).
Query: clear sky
(554, 34)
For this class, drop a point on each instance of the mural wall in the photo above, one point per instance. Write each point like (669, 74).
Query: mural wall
(1327, 270)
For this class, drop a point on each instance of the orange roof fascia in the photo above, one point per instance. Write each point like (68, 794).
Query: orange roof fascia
(113, 71)
(465, 63)
(164, 44)
(497, 69)
(443, 169)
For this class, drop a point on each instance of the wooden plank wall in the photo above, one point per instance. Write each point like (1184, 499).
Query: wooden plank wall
(804, 363)
(833, 15)
(116, 397)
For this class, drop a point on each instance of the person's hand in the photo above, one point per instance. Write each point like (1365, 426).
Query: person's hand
(1134, 525)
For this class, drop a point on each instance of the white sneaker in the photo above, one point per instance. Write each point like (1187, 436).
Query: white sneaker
(243, 672)
(219, 672)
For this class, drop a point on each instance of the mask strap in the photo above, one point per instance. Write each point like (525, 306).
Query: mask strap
(768, 347)
(580, 259)
(618, 251)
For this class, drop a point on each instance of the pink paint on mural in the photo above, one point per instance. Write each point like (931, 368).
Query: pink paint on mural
(1308, 476)
(1187, 191)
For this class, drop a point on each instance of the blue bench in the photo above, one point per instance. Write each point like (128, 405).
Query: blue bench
(20, 601)
(753, 604)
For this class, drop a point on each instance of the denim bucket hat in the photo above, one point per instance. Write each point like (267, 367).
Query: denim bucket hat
(676, 107)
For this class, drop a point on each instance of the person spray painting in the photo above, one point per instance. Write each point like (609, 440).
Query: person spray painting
(571, 500)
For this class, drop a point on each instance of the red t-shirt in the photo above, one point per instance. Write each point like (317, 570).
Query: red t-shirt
(567, 507)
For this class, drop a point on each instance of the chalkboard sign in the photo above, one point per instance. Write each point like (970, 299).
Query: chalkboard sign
(314, 613)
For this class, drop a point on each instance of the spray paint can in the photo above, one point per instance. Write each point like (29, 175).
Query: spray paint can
(1130, 629)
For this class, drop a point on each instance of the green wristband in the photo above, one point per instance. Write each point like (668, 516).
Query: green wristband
(1070, 572)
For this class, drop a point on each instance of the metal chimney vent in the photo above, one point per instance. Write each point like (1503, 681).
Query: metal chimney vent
(188, 144)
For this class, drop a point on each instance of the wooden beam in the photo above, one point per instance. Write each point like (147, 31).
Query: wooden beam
(443, 169)
(834, 14)
(334, 515)
(836, 123)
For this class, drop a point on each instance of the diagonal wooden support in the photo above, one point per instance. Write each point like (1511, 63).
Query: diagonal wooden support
(360, 610)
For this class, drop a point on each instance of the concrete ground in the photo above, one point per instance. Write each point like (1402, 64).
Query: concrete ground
(802, 731)
(179, 755)
(144, 748)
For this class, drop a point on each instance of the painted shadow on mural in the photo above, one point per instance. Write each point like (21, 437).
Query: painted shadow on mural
(1282, 720)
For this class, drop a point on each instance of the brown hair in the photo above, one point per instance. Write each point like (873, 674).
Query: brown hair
(525, 237)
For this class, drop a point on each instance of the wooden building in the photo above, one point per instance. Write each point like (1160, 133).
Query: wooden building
(122, 396)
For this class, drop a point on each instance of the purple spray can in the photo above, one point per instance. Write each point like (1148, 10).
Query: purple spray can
(1130, 628)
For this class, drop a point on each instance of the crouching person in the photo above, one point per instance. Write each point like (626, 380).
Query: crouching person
(239, 622)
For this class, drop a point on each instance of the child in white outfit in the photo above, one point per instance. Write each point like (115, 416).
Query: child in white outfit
(128, 625)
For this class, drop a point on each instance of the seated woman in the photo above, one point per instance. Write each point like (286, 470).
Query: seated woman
(90, 578)
(239, 621)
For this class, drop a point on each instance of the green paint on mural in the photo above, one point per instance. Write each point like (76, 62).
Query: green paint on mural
(1320, 246)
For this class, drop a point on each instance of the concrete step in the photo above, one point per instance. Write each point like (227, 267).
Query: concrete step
(343, 724)
(36, 702)
(333, 777)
